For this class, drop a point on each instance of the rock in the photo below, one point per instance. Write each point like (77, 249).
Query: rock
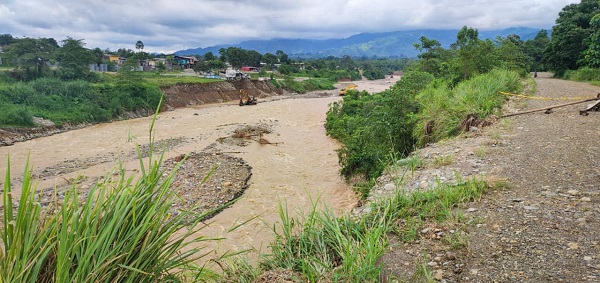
(227, 184)
(425, 231)
(573, 192)
(389, 187)
(438, 275)
(423, 185)
(573, 245)
(432, 264)
(585, 199)
(528, 207)
(450, 256)
(471, 209)
(587, 258)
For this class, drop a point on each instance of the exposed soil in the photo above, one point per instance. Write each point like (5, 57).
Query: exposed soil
(177, 96)
(542, 226)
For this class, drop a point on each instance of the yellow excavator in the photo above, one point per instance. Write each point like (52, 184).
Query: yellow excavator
(347, 88)
(246, 99)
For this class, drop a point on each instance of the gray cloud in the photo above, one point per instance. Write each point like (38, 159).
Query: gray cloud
(170, 25)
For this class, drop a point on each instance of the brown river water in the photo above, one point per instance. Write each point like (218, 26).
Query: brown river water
(300, 169)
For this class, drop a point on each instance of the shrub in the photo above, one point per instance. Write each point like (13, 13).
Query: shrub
(16, 116)
(373, 127)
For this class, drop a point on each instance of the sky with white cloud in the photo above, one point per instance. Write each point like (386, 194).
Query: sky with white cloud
(171, 25)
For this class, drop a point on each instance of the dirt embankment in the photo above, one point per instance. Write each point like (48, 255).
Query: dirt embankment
(179, 95)
(182, 95)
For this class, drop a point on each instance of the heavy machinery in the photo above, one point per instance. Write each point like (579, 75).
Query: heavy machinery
(246, 99)
(347, 88)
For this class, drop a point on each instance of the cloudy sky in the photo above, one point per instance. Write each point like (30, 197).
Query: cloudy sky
(171, 25)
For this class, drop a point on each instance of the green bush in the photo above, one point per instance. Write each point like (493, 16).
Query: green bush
(16, 116)
(374, 127)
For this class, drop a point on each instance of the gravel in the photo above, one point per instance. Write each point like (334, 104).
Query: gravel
(544, 225)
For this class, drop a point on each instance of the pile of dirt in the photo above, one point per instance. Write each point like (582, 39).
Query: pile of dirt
(207, 182)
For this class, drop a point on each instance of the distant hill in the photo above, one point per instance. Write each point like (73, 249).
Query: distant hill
(387, 44)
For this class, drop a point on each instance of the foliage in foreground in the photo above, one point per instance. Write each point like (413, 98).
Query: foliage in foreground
(124, 231)
(321, 247)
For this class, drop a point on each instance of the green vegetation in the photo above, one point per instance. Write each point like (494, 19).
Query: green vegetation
(443, 109)
(305, 86)
(319, 247)
(584, 74)
(122, 231)
(575, 38)
(373, 126)
(73, 102)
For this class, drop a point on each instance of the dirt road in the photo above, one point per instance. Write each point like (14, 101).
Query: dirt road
(546, 228)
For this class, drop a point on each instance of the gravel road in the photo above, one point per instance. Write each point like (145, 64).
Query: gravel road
(544, 226)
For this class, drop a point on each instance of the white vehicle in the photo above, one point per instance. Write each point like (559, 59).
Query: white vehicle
(235, 75)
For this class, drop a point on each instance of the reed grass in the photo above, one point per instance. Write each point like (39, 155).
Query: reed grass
(443, 109)
(123, 230)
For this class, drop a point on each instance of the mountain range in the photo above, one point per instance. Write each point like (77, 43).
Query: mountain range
(386, 44)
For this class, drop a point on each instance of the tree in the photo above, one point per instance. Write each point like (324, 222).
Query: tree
(511, 54)
(32, 55)
(270, 59)
(569, 36)
(126, 53)
(283, 58)
(6, 39)
(591, 56)
(74, 59)
(209, 56)
(139, 45)
(473, 56)
(434, 56)
(534, 48)
(98, 55)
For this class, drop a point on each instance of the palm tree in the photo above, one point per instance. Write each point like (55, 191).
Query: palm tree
(139, 45)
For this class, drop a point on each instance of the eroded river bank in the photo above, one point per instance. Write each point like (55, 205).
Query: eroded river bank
(297, 166)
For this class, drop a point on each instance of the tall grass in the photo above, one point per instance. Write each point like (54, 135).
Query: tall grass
(585, 74)
(443, 109)
(319, 247)
(123, 231)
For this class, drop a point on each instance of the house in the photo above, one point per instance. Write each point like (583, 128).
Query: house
(249, 69)
(186, 62)
(115, 59)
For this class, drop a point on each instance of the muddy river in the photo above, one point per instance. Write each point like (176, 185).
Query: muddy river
(299, 169)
